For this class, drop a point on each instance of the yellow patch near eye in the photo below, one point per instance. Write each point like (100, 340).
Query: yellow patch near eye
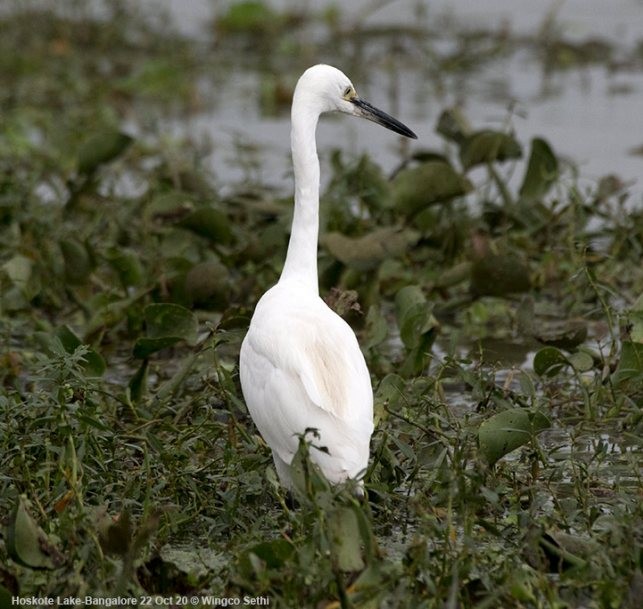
(349, 93)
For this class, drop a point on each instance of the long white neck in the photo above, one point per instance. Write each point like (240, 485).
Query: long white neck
(301, 259)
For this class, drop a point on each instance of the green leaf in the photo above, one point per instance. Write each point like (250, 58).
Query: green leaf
(564, 334)
(549, 361)
(541, 172)
(172, 205)
(27, 543)
(168, 319)
(273, 554)
(418, 328)
(581, 361)
(365, 179)
(499, 274)
(100, 148)
(414, 315)
(432, 182)
(453, 125)
(636, 319)
(564, 551)
(116, 535)
(209, 223)
(156, 77)
(367, 252)
(391, 390)
(249, 17)
(488, 146)
(78, 264)
(207, 285)
(137, 387)
(127, 265)
(19, 270)
(94, 363)
(166, 324)
(508, 430)
(344, 533)
(630, 365)
(376, 328)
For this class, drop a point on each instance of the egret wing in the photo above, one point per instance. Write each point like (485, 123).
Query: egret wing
(305, 370)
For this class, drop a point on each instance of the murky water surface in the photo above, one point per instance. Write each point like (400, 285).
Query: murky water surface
(590, 114)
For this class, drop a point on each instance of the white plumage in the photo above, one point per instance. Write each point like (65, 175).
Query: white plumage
(301, 366)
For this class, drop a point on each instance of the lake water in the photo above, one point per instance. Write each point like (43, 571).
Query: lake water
(591, 115)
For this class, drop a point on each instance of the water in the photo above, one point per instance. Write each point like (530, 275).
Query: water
(590, 115)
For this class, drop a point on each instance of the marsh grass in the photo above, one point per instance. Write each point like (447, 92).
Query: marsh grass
(126, 451)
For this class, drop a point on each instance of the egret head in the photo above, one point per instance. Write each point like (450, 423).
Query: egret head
(324, 88)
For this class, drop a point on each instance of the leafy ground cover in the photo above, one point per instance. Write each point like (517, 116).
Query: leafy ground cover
(128, 272)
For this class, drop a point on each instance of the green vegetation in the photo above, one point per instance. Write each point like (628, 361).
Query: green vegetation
(128, 272)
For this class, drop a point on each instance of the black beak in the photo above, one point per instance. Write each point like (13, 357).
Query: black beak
(381, 118)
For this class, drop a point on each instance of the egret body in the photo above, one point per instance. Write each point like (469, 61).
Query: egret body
(301, 366)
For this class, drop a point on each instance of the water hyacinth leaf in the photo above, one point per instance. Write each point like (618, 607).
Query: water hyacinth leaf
(366, 180)
(127, 265)
(376, 328)
(499, 274)
(190, 564)
(549, 361)
(453, 125)
(343, 529)
(541, 172)
(424, 155)
(414, 315)
(418, 358)
(427, 184)
(636, 319)
(390, 390)
(630, 364)
(210, 223)
(19, 270)
(144, 347)
(94, 363)
(248, 17)
(116, 534)
(565, 334)
(78, 262)
(108, 310)
(418, 329)
(155, 77)
(508, 430)
(23, 286)
(169, 206)
(581, 361)
(100, 148)
(27, 543)
(166, 324)
(308, 480)
(167, 319)
(206, 284)
(488, 146)
(367, 252)
(454, 275)
(137, 387)
(564, 551)
(273, 554)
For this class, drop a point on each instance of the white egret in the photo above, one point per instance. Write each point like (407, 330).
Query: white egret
(301, 366)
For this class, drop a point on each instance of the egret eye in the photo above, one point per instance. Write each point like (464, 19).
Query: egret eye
(347, 91)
